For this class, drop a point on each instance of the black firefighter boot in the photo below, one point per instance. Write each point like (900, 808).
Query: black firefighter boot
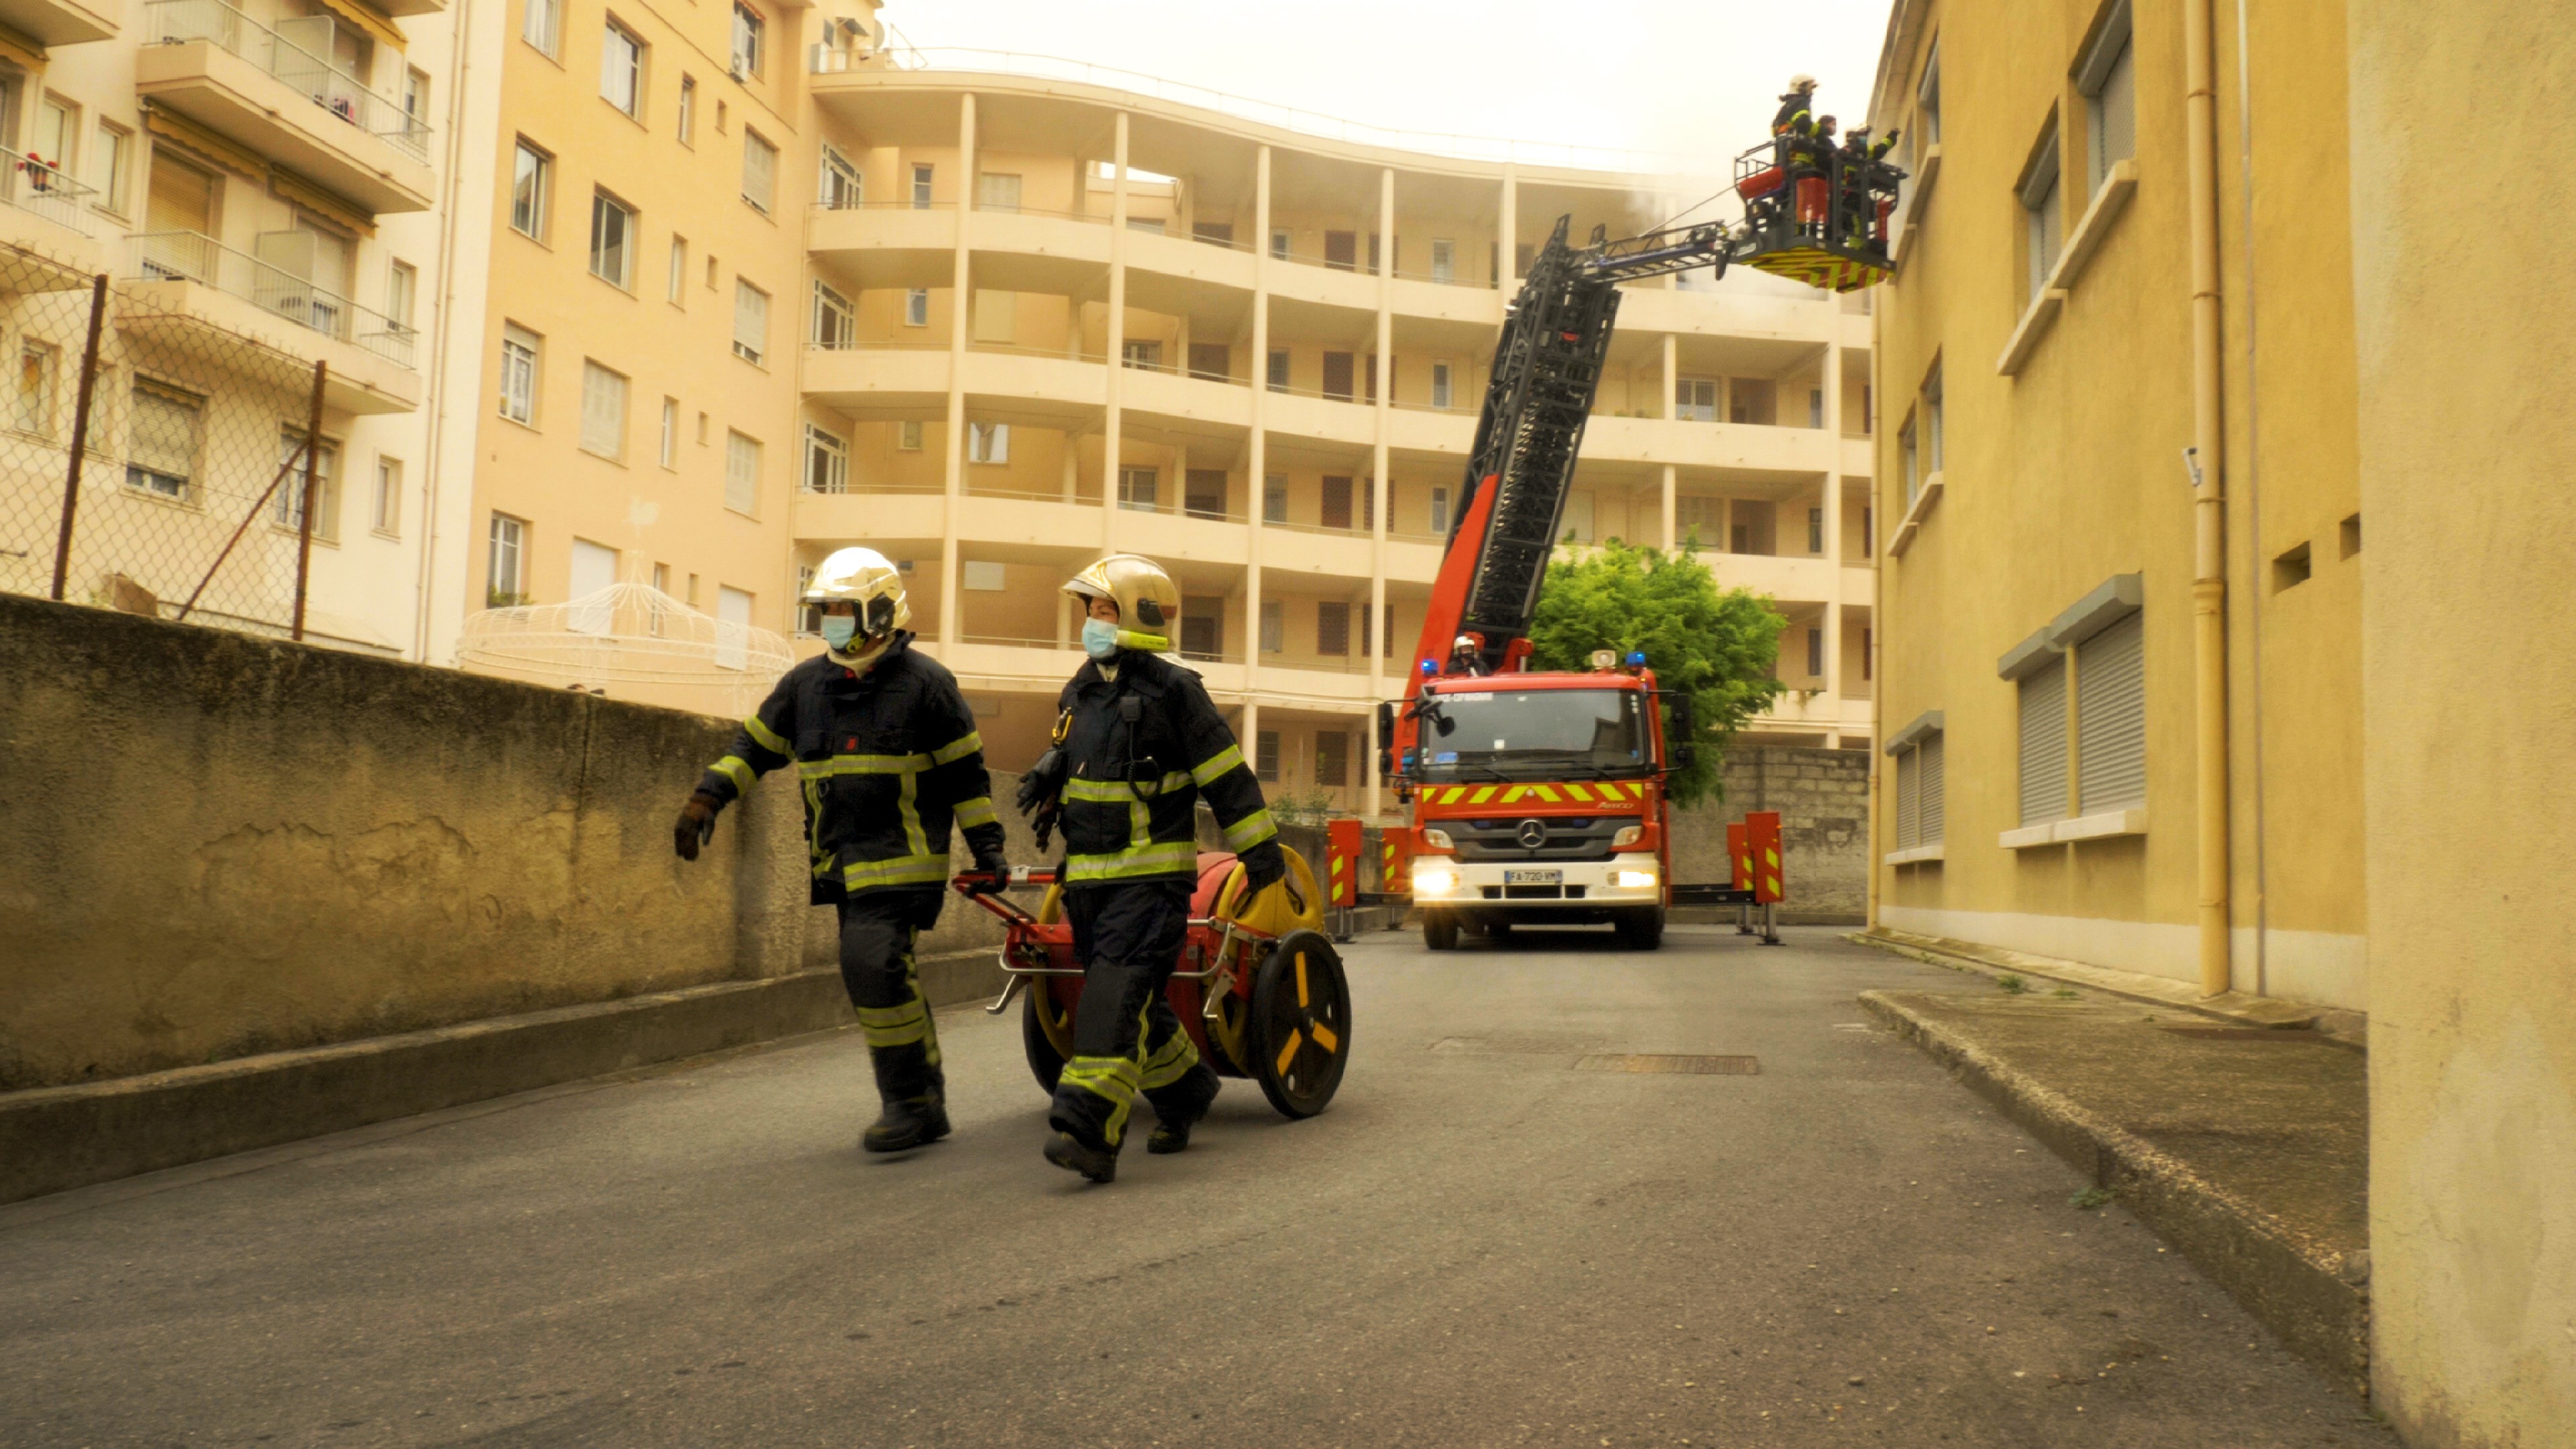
(1065, 1150)
(916, 1105)
(1178, 1108)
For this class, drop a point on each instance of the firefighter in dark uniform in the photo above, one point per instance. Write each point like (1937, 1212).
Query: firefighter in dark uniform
(888, 756)
(1137, 745)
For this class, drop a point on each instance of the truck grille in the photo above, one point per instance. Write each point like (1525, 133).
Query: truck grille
(1567, 837)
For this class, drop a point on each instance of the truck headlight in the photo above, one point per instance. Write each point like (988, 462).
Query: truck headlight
(1636, 880)
(1437, 840)
(1434, 881)
(1628, 835)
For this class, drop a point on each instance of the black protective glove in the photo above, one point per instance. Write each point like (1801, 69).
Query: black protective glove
(1263, 867)
(997, 873)
(696, 825)
(1043, 782)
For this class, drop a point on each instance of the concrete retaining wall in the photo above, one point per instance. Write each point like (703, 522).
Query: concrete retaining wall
(1823, 800)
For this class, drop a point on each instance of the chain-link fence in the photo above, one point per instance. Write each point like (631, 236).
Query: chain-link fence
(188, 499)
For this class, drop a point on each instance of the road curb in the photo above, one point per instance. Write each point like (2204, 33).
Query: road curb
(2316, 1300)
(2238, 1008)
(56, 1138)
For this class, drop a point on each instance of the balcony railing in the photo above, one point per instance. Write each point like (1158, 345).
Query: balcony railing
(41, 187)
(173, 22)
(164, 256)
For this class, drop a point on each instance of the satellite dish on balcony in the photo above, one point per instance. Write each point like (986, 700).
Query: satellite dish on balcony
(629, 641)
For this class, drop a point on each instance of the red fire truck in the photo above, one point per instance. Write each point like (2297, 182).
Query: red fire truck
(1539, 796)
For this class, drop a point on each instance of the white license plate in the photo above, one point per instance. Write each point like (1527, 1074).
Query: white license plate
(1533, 877)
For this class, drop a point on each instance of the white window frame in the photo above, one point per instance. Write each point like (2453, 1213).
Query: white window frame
(386, 516)
(522, 365)
(1444, 259)
(159, 482)
(842, 186)
(834, 319)
(621, 69)
(750, 42)
(907, 435)
(613, 263)
(676, 291)
(113, 161)
(286, 510)
(922, 175)
(532, 178)
(38, 406)
(988, 442)
(1440, 511)
(688, 119)
(916, 307)
(827, 461)
(1442, 392)
(542, 27)
(2042, 198)
(670, 451)
(505, 559)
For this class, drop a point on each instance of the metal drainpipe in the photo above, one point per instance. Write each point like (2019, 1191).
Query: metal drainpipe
(2209, 553)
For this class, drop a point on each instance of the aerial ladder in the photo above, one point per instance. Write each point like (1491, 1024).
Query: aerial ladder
(1517, 823)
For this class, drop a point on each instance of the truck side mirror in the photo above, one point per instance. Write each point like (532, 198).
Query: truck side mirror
(1685, 755)
(1385, 723)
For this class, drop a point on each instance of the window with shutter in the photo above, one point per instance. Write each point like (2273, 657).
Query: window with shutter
(759, 170)
(2043, 743)
(1928, 809)
(750, 321)
(1202, 628)
(742, 473)
(1333, 628)
(2111, 717)
(603, 411)
(1332, 757)
(1265, 756)
(161, 442)
(1909, 799)
(1337, 375)
(1337, 502)
(1274, 626)
(1203, 493)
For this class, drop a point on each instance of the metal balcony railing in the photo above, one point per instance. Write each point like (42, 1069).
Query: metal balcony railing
(162, 256)
(41, 187)
(172, 22)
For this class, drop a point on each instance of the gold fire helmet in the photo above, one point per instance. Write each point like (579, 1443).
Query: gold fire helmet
(862, 576)
(1147, 599)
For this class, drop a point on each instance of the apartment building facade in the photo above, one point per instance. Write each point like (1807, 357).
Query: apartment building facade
(2121, 655)
(759, 292)
(264, 186)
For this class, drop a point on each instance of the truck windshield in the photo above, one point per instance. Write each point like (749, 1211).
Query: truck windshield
(1529, 734)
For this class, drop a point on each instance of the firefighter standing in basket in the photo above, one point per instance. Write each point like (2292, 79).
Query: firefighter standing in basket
(1137, 743)
(887, 752)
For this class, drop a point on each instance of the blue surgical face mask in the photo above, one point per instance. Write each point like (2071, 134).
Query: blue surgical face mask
(838, 629)
(1099, 638)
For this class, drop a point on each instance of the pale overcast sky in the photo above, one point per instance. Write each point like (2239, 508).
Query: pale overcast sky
(1693, 79)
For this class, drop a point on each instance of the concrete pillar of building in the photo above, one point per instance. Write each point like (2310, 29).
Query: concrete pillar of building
(1110, 441)
(1832, 502)
(1384, 487)
(1507, 246)
(1671, 413)
(1258, 461)
(961, 298)
(1248, 738)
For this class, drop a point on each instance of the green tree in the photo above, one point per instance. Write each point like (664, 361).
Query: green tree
(1716, 646)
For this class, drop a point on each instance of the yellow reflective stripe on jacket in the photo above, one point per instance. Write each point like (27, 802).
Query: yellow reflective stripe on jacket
(1206, 771)
(762, 735)
(894, 1026)
(736, 769)
(958, 749)
(902, 870)
(863, 765)
(1119, 792)
(1250, 831)
(1173, 858)
(978, 811)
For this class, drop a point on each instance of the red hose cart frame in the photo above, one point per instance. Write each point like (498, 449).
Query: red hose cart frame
(1269, 1004)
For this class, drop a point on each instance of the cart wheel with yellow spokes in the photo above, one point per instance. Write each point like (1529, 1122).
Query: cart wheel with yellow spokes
(1300, 1025)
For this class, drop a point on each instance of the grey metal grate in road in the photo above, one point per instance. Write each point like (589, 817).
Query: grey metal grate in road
(1653, 1064)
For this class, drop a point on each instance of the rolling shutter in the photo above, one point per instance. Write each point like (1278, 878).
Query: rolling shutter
(1928, 813)
(2111, 717)
(2043, 743)
(1909, 797)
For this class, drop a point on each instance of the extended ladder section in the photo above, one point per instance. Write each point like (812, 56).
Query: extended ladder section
(1547, 369)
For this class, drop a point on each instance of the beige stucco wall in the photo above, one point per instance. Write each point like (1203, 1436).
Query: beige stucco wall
(2070, 471)
(226, 845)
(2466, 448)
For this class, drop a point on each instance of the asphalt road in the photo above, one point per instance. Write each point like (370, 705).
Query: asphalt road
(1479, 1244)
